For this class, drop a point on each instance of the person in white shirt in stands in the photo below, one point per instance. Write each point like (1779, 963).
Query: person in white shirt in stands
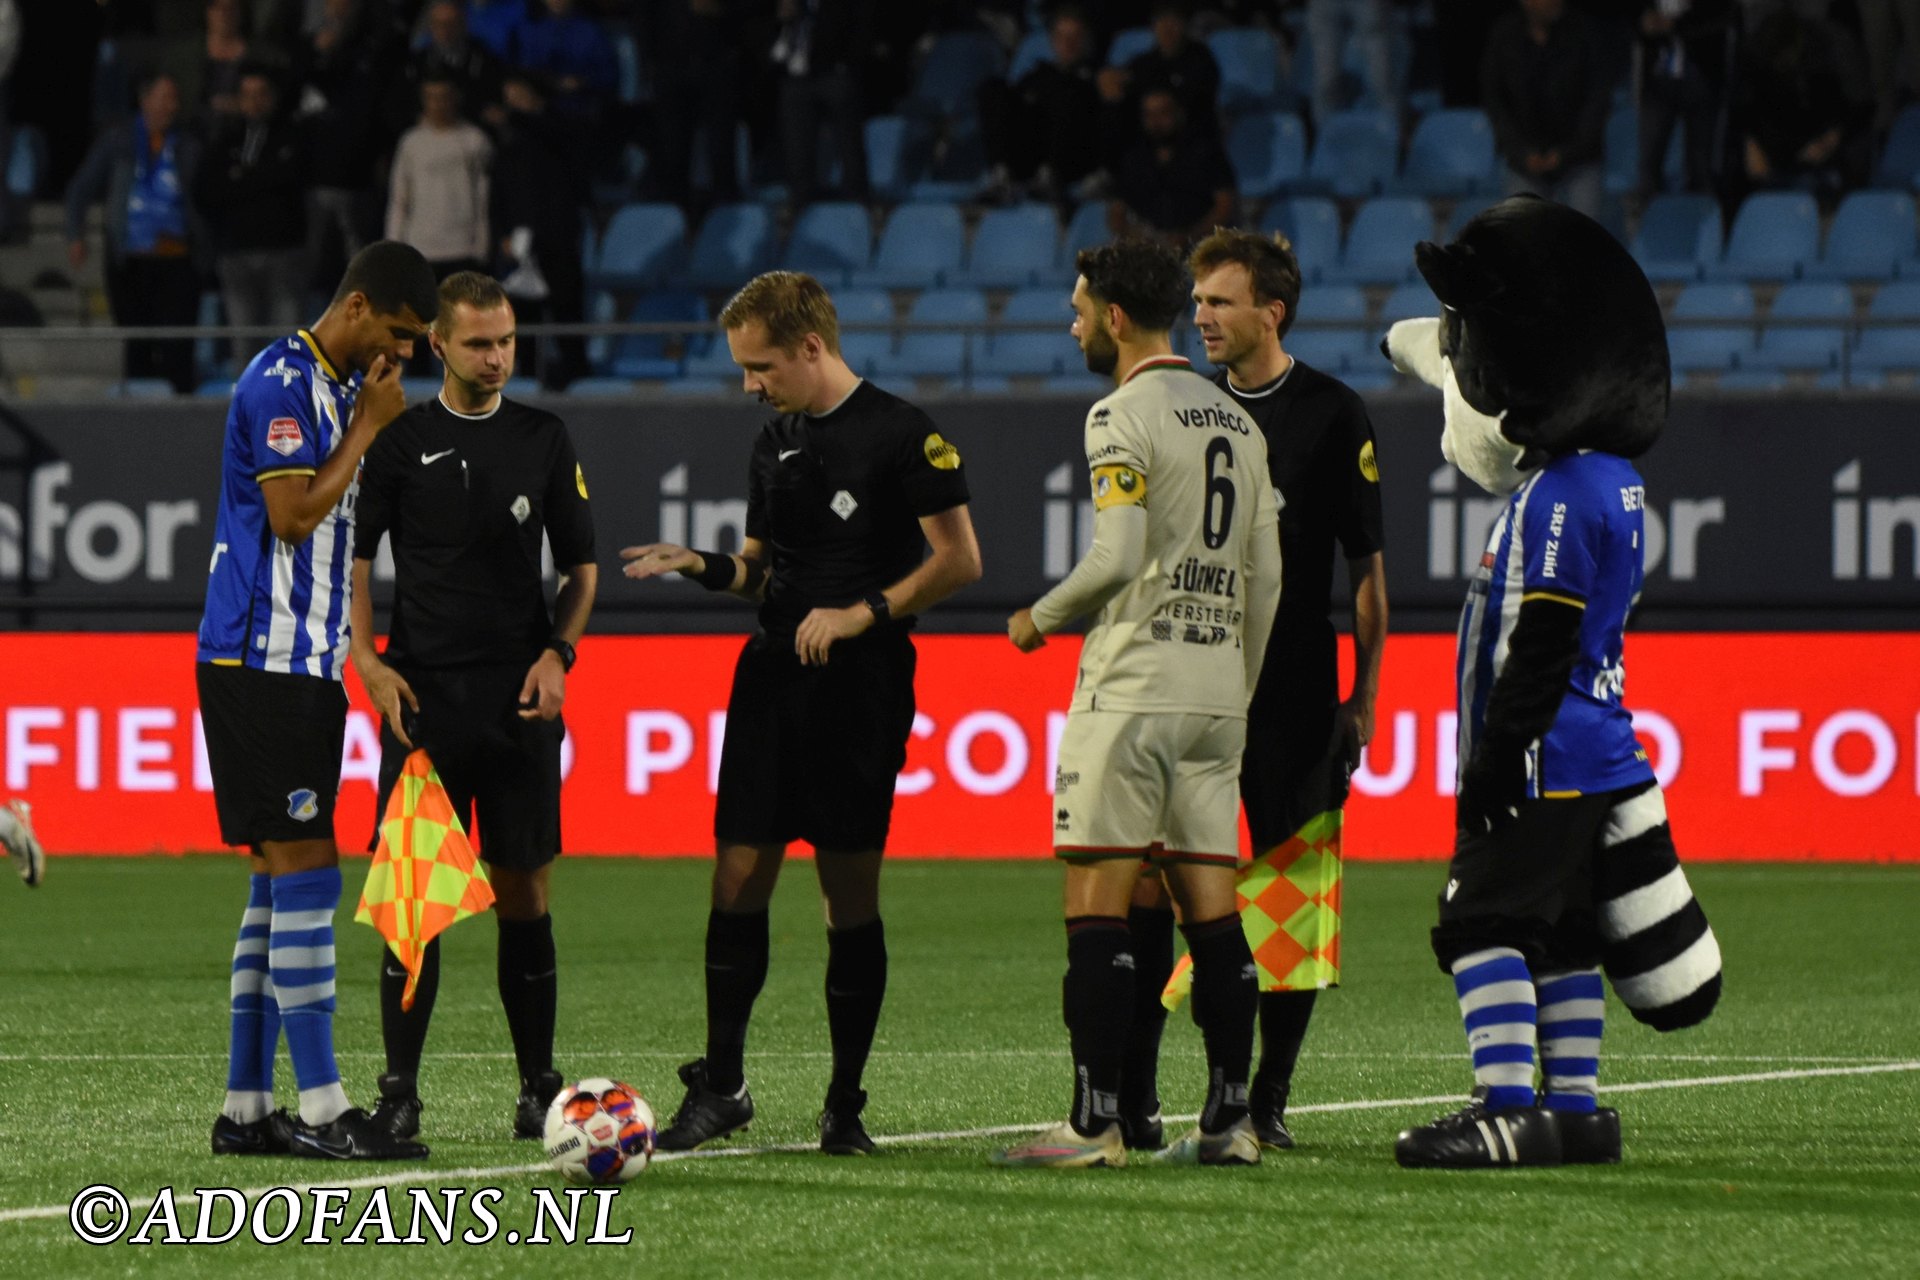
(437, 199)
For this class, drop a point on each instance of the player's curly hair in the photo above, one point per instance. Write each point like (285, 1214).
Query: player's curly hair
(393, 277)
(1272, 268)
(791, 304)
(1143, 278)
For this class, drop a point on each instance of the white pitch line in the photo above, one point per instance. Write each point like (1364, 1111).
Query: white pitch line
(1359, 1055)
(419, 1175)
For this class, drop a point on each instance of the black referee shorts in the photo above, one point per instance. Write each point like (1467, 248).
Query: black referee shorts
(812, 753)
(273, 747)
(496, 766)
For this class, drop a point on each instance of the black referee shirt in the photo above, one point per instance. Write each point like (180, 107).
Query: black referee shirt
(466, 500)
(838, 500)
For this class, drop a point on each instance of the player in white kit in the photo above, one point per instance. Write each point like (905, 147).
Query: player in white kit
(1184, 574)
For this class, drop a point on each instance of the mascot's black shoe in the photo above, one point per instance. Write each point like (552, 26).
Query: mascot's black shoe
(1476, 1138)
(1589, 1137)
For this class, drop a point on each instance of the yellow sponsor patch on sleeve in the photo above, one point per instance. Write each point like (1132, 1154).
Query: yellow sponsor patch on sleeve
(1117, 485)
(1368, 467)
(941, 454)
(580, 480)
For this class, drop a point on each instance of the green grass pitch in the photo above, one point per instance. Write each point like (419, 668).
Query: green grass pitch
(112, 1060)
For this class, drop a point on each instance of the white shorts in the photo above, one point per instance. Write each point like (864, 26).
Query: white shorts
(1149, 785)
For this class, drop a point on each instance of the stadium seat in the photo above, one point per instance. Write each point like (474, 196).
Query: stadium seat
(420, 390)
(937, 354)
(1013, 247)
(155, 389)
(1798, 345)
(1333, 304)
(1128, 44)
(658, 356)
(946, 85)
(1369, 378)
(1080, 385)
(1086, 230)
(641, 246)
(1330, 331)
(1871, 234)
(863, 349)
(1312, 225)
(1328, 350)
(893, 160)
(1899, 162)
(219, 387)
(1409, 301)
(1249, 59)
(1451, 154)
(1356, 155)
(601, 388)
(734, 244)
(1034, 48)
(26, 162)
(1887, 345)
(1269, 152)
(1851, 379)
(921, 246)
(1700, 348)
(830, 241)
(1678, 237)
(1015, 353)
(1752, 381)
(208, 353)
(1773, 235)
(1380, 242)
(1622, 154)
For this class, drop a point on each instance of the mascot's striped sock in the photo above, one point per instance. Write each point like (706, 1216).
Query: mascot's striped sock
(1497, 1005)
(1573, 1009)
(256, 1017)
(301, 954)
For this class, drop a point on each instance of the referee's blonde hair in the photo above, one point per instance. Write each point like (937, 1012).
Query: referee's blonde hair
(791, 304)
(475, 288)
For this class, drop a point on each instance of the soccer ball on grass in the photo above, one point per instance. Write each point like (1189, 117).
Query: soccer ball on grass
(600, 1131)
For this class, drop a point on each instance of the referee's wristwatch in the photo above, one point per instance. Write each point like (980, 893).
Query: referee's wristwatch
(877, 601)
(565, 650)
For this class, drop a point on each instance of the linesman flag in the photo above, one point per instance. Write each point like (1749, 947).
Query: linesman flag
(425, 876)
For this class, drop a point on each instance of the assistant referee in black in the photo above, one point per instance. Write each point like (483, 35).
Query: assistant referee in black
(466, 486)
(847, 489)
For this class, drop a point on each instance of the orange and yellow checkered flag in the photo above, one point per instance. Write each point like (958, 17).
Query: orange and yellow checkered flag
(425, 875)
(1289, 903)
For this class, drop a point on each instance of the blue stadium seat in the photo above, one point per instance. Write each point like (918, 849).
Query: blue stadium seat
(1249, 59)
(26, 164)
(1678, 237)
(949, 79)
(1410, 301)
(1801, 345)
(1028, 352)
(1079, 385)
(1773, 235)
(1034, 48)
(1704, 348)
(641, 246)
(1330, 332)
(1312, 224)
(658, 356)
(1380, 242)
(1451, 154)
(1086, 230)
(1752, 381)
(734, 244)
(1871, 234)
(830, 241)
(893, 159)
(863, 349)
(159, 389)
(1883, 348)
(1356, 155)
(1368, 378)
(1328, 350)
(1013, 247)
(1851, 379)
(921, 246)
(1466, 211)
(1333, 304)
(1128, 44)
(600, 388)
(941, 354)
(692, 388)
(208, 352)
(420, 390)
(219, 387)
(1899, 162)
(1269, 152)
(1622, 154)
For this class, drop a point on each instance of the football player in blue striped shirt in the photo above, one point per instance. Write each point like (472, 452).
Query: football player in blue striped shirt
(273, 644)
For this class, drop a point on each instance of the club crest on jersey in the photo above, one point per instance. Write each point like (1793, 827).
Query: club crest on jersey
(303, 805)
(843, 505)
(282, 370)
(283, 436)
(521, 509)
(941, 454)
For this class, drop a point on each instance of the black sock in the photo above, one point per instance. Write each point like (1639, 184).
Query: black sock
(736, 970)
(1283, 1026)
(529, 992)
(1226, 995)
(405, 1030)
(1097, 999)
(856, 984)
(1152, 930)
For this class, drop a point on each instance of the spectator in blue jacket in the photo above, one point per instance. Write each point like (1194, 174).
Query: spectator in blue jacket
(571, 53)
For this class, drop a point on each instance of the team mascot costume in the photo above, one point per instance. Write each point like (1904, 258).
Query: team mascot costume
(1552, 357)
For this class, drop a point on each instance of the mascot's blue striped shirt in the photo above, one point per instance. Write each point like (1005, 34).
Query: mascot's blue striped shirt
(275, 605)
(1575, 532)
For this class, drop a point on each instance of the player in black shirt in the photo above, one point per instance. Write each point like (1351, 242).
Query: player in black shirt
(1303, 741)
(466, 487)
(847, 488)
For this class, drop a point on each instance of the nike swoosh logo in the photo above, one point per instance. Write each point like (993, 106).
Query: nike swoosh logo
(427, 459)
(330, 1148)
(787, 453)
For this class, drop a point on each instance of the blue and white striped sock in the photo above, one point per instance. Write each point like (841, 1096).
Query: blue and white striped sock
(1573, 1011)
(255, 1015)
(1497, 1005)
(301, 954)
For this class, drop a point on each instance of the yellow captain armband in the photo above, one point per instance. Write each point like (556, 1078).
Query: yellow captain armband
(1117, 485)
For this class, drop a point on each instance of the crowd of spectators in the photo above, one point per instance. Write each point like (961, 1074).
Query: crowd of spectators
(273, 138)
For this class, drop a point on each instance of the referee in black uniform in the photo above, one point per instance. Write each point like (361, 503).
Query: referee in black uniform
(847, 489)
(1303, 740)
(475, 670)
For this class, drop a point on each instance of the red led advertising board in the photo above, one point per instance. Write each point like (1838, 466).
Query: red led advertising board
(1772, 746)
